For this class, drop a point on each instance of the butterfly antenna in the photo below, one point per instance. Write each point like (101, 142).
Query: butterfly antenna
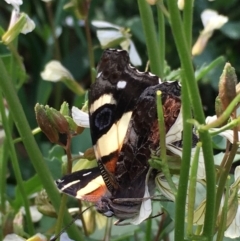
(65, 228)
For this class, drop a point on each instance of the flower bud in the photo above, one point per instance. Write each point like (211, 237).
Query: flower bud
(227, 85)
(44, 206)
(45, 125)
(58, 120)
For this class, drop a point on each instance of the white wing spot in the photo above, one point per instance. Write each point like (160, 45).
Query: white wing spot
(151, 74)
(121, 84)
(86, 174)
(69, 185)
(140, 72)
(99, 74)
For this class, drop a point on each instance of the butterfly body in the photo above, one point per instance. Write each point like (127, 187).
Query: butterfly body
(124, 131)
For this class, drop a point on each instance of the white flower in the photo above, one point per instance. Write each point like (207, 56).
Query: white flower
(13, 237)
(80, 118)
(114, 35)
(54, 71)
(211, 20)
(35, 214)
(233, 231)
(181, 4)
(19, 23)
(15, 3)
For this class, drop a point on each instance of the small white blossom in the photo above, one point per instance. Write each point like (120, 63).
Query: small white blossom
(15, 3)
(211, 21)
(35, 214)
(80, 118)
(54, 71)
(112, 33)
(181, 4)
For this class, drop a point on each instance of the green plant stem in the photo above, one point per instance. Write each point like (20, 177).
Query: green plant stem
(228, 126)
(150, 35)
(208, 68)
(192, 191)
(224, 172)
(185, 163)
(61, 214)
(33, 151)
(189, 81)
(16, 168)
(224, 116)
(148, 231)
(161, 34)
(224, 212)
(187, 21)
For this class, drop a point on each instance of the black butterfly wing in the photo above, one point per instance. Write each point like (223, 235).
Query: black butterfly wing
(143, 136)
(112, 99)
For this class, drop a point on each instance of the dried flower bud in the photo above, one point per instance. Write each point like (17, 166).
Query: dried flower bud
(58, 120)
(227, 85)
(52, 123)
(218, 106)
(44, 206)
(45, 125)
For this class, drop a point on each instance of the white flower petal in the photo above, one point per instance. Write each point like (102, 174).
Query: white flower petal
(80, 118)
(134, 56)
(233, 230)
(227, 134)
(35, 214)
(104, 24)
(15, 3)
(54, 71)
(107, 36)
(29, 26)
(181, 4)
(175, 132)
(237, 173)
(210, 119)
(13, 237)
(212, 20)
(145, 210)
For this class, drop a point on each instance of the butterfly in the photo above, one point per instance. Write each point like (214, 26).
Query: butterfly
(124, 130)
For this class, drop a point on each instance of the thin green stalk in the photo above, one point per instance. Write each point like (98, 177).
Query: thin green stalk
(150, 35)
(189, 81)
(148, 230)
(187, 21)
(3, 171)
(224, 174)
(16, 169)
(32, 148)
(224, 116)
(62, 208)
(224, 212)
(208, 68)
(163, 153)
(185, 164)
(228, 126)
(192, 191)
(161, 39)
